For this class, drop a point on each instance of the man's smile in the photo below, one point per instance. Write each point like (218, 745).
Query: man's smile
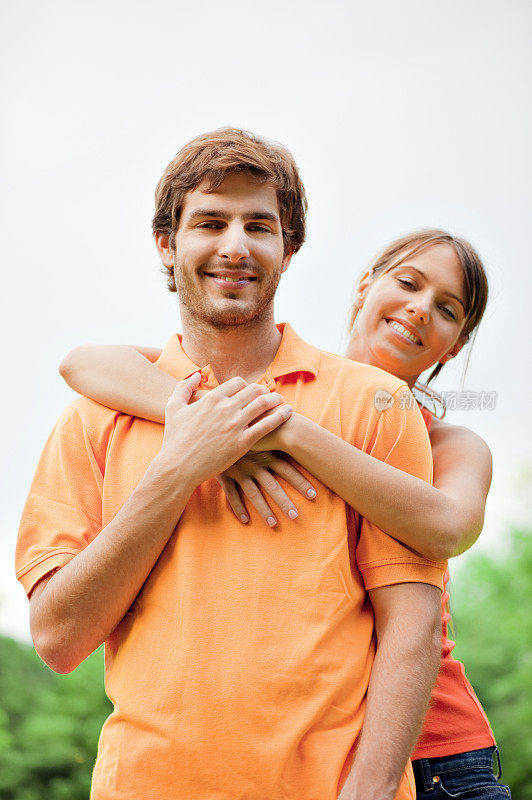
(233, 279)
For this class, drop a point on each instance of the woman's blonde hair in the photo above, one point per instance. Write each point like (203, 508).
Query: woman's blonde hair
(475, 279)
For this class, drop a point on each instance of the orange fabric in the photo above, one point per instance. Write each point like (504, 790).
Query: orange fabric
(242, 668)
(455, 722)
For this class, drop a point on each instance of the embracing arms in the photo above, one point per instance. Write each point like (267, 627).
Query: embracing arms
(437, 521)
(121, 377)
(75, 609)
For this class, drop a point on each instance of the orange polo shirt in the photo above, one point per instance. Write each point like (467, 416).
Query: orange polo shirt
(241, 670)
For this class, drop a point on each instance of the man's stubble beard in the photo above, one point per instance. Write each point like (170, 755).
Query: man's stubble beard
(201, 310)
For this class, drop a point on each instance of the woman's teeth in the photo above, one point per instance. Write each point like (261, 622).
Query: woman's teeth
(401, 329)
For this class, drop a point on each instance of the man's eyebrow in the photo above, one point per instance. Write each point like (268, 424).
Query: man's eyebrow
(208, 212)
(420, 272)
(267, 215)
(217, 213)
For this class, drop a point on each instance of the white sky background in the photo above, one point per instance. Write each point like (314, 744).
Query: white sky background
(400, 115)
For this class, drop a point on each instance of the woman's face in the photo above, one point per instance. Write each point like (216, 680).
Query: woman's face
(411, 317)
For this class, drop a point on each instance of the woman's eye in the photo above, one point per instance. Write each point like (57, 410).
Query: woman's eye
(449, 312)
(407, 283)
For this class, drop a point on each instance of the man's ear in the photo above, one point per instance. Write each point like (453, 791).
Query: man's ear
(362, 290)
(162, 242)
(286, 259)
(455, 349)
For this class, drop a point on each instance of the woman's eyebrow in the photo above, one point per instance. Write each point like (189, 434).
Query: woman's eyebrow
(445, 291)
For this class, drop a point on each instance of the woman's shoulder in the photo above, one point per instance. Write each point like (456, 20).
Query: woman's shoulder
(445, 434)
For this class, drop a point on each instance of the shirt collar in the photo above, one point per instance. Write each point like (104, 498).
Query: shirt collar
(294, 355)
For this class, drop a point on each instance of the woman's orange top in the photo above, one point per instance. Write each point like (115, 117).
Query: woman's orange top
(455, 721)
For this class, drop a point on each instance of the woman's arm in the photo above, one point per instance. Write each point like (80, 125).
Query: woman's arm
(462, 471)
(437, 521)
(120, 377)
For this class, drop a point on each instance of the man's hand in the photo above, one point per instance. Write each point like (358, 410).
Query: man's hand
(214, 432)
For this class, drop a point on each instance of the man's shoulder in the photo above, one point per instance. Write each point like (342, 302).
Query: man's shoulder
(90, 411)
(353, 374)
(84, 416)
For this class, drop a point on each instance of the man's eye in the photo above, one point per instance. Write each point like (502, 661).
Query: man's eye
(209, 225)
(259, 228)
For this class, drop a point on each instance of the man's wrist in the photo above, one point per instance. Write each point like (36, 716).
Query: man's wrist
(360, 786)
(173, 475)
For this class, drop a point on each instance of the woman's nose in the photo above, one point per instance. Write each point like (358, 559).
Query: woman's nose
(419, 312)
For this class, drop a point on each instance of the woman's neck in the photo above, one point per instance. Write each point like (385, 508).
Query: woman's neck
(357, 350)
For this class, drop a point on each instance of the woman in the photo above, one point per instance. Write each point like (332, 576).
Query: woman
(415, 309)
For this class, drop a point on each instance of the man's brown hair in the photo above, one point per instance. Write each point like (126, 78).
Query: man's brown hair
(212, 156)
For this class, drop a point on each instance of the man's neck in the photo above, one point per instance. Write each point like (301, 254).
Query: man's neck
(244, 350)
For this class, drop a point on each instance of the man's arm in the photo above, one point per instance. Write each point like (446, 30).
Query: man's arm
(408, 625)
(75, 609)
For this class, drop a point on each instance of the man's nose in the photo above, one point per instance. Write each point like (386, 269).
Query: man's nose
(234, 244)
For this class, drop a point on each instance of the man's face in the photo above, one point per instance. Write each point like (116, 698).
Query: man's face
(229, 255)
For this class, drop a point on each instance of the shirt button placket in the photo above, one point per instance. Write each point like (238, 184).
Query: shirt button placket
(268, 381)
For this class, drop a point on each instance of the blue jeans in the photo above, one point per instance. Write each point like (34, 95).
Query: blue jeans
(465, 776)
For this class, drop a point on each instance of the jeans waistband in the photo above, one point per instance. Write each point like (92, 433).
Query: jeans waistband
(426, 768)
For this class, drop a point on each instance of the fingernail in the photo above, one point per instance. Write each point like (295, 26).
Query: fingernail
(244, 518)
(311, 493)
(292, 513)
(271, 521)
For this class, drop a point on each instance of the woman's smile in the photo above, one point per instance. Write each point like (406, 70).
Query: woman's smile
(403, 331)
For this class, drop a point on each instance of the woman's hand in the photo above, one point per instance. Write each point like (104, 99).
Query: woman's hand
(252, 473)
(281, 437)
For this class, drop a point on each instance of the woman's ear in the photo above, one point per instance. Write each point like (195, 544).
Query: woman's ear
(455, 349)
(362, 289)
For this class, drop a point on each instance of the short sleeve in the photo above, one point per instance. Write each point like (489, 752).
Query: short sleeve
(400, 439)
(62, 513)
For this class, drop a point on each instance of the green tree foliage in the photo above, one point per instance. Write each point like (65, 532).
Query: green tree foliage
(492, 606)
(49, 725)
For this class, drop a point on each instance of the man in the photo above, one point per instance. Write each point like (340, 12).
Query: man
(240, 660)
